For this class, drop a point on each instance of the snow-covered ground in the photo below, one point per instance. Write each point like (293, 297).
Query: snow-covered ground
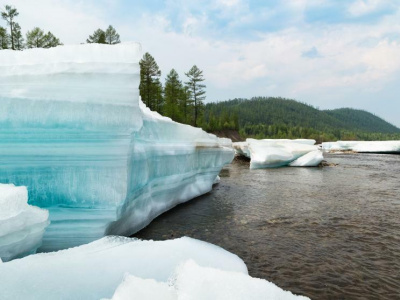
(272, 153)
(21, 225)
(175, 269)
(363, 146)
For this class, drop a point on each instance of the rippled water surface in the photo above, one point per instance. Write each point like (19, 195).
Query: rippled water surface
(327, 233)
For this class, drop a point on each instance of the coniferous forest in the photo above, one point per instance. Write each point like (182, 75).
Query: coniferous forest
(268, 117)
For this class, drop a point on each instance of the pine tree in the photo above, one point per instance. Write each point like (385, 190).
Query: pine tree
(35, 38)
(4, 38)
(98, 37)
(9, 14)
(197, 91)
(149, 87)
(173, 93)
(49, 40)
(111, 36)
(18, 37)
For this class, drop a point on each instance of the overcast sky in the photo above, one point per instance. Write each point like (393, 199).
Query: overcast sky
(328, 53)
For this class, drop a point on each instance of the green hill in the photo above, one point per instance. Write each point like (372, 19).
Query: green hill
(362, 120)
(263, 117)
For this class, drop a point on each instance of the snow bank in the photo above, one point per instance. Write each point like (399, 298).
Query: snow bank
(74, 131)
(193, 282)
(271, 153)
(363, 146)
(93, 271)
(182, 268)
(21, 225)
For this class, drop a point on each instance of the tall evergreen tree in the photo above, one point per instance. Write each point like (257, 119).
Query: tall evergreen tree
(9, 14)
(173, 93)
(111, 36)
(35, 38)
(98, 37)
(4, 38)
(149, 81)
(18, 37)
(196, 88)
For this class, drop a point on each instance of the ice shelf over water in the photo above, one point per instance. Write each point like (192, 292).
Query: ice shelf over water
(21, 225)
(73, 130)
(272, 153)
(363, 146)
(183, 267)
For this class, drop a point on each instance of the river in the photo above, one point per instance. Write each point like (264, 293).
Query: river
(327, 233)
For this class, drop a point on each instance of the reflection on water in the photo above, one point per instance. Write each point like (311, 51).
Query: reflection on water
(328, 233)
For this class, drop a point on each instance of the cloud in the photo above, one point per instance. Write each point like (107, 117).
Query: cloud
(364, 7)
(247, 49)
(71, 21)
(311, 53)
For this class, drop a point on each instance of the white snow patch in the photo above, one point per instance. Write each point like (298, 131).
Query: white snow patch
(93, 271)
(193, 282)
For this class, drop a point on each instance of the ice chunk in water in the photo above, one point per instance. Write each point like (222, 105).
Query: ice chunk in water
(271, 153)
(311, 159)
(363, 146)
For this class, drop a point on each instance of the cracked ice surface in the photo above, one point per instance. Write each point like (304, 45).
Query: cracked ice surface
(272, 153)
(74, 131)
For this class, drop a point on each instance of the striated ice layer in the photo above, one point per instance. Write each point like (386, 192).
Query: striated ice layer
(21, 225)
(272, 153)
(170, 164)
(363, 146)
(185, 268)
(193, 282)
(73, 130)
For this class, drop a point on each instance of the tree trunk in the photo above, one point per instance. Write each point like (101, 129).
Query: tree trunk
(195, 105)
(12, 35)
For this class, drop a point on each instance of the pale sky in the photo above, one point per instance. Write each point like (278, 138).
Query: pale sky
(328, 53)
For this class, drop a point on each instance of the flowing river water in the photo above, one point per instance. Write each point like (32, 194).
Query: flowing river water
(327, 233)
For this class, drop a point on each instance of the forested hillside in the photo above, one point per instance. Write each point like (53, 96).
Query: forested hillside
(263, 117)
(362, 120)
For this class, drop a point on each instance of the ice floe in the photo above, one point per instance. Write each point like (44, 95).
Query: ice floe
(363, 146)
(271, 153)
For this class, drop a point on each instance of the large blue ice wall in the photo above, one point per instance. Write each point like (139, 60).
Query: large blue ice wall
(73, 131)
